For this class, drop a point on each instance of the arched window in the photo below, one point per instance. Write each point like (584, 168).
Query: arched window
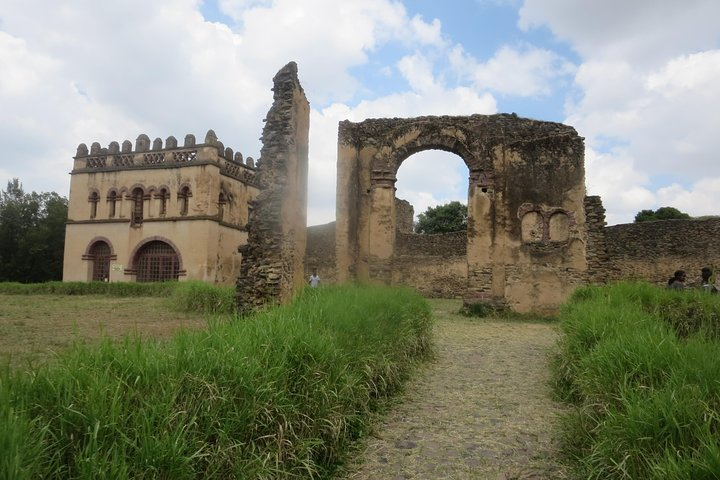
(184, 198)
(100, 257)
(163, 196)
(532, 227)
(559, 227)
(137, 213)
(222, 201)
(111, 199)
(93, 199)
(157, 261)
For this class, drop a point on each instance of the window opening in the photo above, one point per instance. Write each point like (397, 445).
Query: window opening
(112, 198)
(94, 199)
(222, 201)
(137, 215)
(100, 257)
(163, 196)
(157, 262)
(184, 197)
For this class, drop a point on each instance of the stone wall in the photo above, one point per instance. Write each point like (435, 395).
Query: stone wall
(526, 189)
(320, 252)
(273, 259)
(652, 251)
(440, 245)
(599, 266)
(434, 265)
(404, 216)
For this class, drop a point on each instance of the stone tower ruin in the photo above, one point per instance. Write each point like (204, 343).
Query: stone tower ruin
(273, 258)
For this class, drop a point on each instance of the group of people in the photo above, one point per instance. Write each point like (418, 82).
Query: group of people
(677, 281)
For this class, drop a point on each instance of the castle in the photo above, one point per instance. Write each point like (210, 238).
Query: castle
(158, 212)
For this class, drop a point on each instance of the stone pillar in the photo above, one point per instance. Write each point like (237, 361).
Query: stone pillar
(381, 244)
(272, 266)
(347, 202)
(481, 233)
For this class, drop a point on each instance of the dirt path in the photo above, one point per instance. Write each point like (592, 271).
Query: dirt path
(481, 411)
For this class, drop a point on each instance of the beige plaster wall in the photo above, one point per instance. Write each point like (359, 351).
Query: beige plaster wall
(207, 251)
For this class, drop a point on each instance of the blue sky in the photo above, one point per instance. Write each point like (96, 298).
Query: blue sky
(639, 80)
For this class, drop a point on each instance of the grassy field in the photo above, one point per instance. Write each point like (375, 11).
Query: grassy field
(33, 328)
(283, 393)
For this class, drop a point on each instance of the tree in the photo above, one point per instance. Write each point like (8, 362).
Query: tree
(451, 217)
(662, 213)
(32, 234)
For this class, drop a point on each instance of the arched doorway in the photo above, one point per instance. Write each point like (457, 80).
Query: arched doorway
(156, 261)
(100, 254)
(515, 165)
(430, 246)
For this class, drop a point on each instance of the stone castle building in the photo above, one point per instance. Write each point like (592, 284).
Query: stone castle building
(158, 212)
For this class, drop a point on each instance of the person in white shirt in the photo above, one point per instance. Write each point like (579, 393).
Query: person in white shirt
(314, 279)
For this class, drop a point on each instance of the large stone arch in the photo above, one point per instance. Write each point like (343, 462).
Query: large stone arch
(513, 162)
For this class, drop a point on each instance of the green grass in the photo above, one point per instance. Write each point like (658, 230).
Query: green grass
(641, 364)
(279, 394)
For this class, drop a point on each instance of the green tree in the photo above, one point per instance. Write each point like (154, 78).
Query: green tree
(450, 217)
(32, 234)
(662, 213)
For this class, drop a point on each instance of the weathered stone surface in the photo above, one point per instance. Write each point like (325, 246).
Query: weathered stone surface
(652, 251)
(526, 225)
(273, 259)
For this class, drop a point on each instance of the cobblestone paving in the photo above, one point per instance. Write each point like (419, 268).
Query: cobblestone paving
(482, 410)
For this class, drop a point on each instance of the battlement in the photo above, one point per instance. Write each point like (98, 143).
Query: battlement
(153, 154)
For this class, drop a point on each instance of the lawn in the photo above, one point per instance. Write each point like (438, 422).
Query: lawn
(34, 327)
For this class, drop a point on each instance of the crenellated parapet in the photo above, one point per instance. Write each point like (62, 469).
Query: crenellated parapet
(155, 154)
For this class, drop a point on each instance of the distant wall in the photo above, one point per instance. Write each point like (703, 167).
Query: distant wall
(435, 265)
(320, 252)
(652, 251)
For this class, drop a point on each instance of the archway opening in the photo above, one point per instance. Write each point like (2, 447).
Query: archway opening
(430, 179)
(157, 261)
(100, 253)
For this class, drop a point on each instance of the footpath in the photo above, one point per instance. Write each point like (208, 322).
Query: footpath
(481, 410)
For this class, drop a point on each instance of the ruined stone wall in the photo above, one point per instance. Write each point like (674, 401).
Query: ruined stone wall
(599, 265)
(404, 215)
(320, 252)
(273, 259)
(434, 265)
(442, 245)
(525, 203)
(652, 251)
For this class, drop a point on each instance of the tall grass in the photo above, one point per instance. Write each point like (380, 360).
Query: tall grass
(642, 366)
(280, 394)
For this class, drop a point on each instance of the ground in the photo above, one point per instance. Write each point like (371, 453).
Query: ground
(482, 410)
(33, 328)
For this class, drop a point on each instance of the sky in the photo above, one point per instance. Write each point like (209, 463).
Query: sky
(639, 80)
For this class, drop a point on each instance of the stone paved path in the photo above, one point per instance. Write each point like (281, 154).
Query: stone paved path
(481, 411)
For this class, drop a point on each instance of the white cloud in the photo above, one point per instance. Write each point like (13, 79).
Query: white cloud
(647, 97)
(643, 32)
(526, 72)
